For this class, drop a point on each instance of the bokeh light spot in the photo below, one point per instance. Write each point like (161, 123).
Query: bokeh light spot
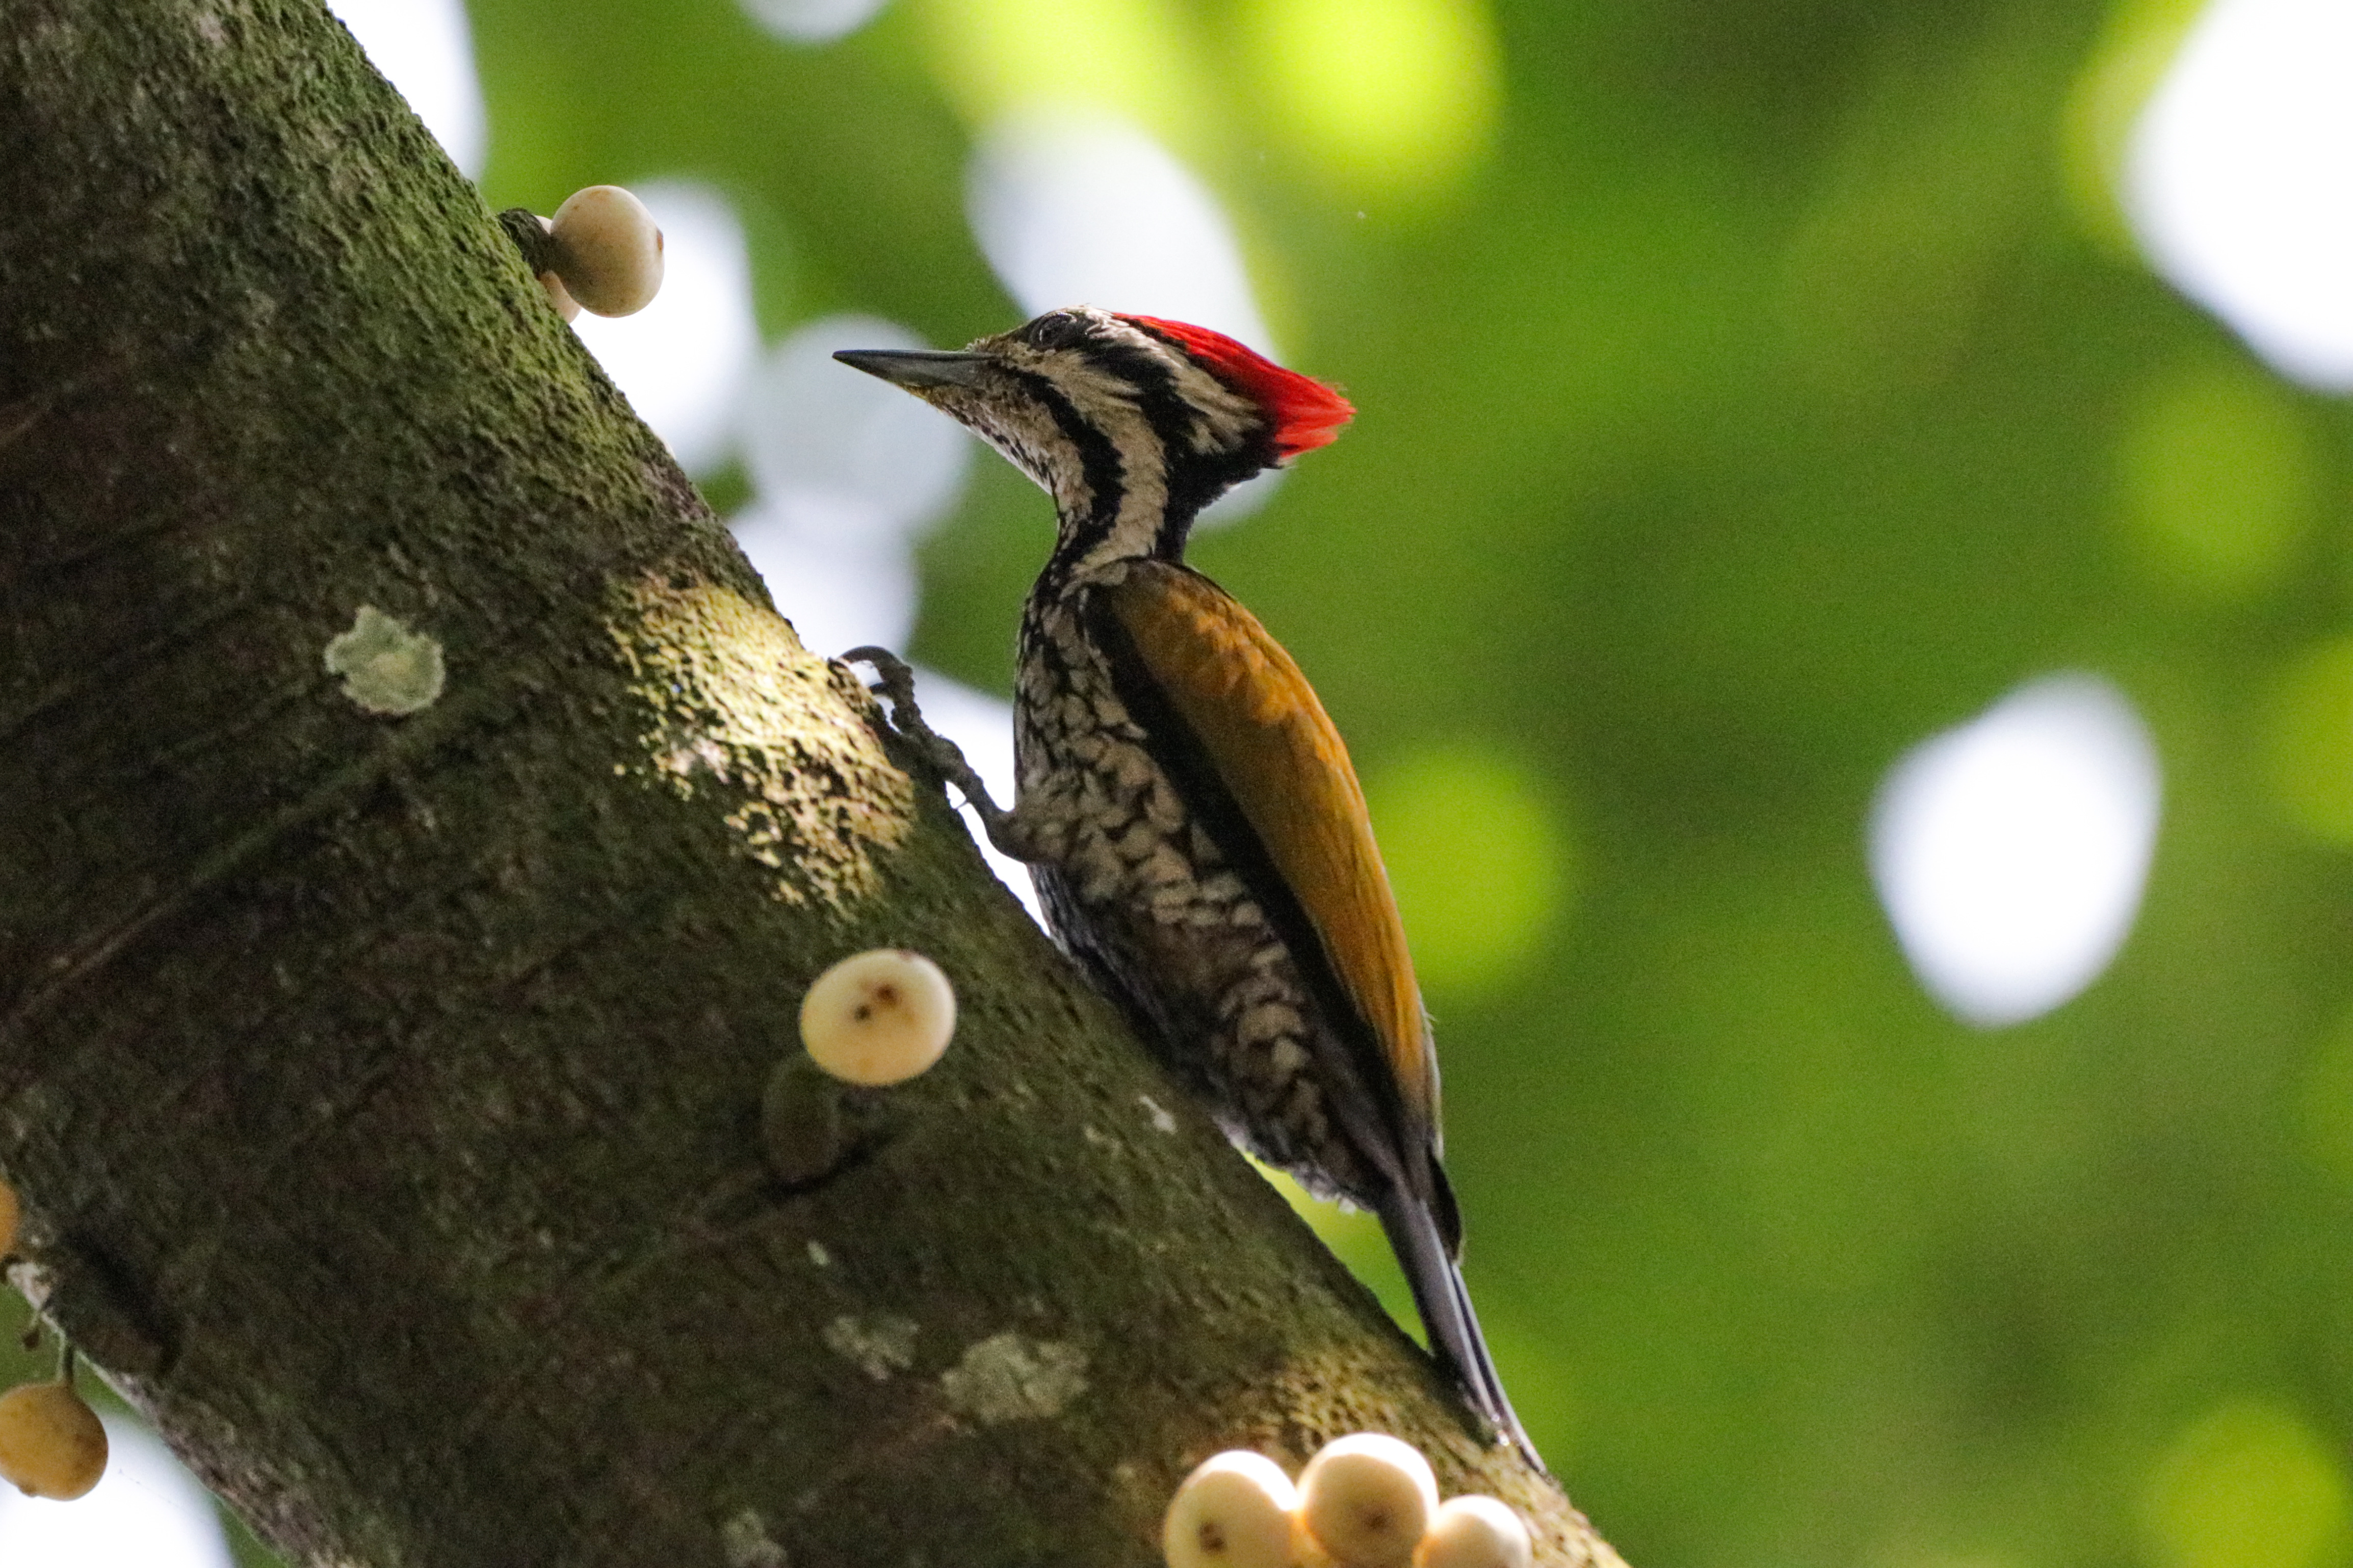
(2011, 852)
(1132, 58)
(1481, 863)
(1076, 208)
(2220, 479)
(818, 432)
(2312, 741)
(811, 21)
(2239, 179)
(2248, 1484)
(682, 360)
(839, 586)
(849, 471)
(2136, 45)
(1395, 97)
(146, 1512)
(426, 49)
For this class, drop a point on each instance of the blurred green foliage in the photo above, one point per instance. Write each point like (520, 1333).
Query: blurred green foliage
(1748, 389)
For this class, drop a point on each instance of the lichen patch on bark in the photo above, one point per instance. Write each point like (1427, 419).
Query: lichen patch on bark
(877, 1348)
(1009, 1378)
(388, 667)
(735, 704)
(745, 1541)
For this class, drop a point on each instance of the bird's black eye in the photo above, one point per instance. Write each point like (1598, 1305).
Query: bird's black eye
(1055, 329)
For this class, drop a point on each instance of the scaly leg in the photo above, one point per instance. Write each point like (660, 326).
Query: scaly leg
(895, 682)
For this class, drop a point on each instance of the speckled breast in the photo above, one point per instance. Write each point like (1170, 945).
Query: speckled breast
(1136, 888)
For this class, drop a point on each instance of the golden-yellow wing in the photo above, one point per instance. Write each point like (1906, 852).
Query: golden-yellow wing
(1268, 739)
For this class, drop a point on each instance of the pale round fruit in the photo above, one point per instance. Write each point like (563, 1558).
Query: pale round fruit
(607, 250)
(51, 1443)
(1367, 1499)
(1233, 1512)
(7, 1219)
(879, 1017)
(1475, 1532)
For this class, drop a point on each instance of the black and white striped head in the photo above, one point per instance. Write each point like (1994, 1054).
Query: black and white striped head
(1132, 425)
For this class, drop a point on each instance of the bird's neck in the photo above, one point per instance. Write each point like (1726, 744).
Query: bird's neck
(1131, 523)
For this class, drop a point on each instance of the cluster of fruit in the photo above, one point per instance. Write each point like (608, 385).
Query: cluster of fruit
(1363, 1501)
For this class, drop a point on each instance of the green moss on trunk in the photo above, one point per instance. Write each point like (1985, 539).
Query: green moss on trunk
(381, 1078)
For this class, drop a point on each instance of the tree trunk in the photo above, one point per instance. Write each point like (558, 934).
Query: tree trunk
(382, 1046)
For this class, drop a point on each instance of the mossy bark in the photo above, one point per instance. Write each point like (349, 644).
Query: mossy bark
(381, 1064)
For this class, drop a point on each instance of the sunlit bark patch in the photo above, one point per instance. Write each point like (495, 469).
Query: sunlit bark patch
(735, 703)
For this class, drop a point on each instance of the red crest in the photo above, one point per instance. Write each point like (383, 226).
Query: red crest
(1304, 413)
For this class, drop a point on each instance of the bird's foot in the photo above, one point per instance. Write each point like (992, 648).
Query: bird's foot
(894, 682)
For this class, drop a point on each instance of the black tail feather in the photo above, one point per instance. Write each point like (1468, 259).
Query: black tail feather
(1444, 1302)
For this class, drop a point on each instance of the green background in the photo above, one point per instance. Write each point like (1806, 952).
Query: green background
(1749, 389)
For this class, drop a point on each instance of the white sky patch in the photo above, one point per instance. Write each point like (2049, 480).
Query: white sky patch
(2011, 852)
(841, 589)
(1242, 499)
(811, 21)
(146, 1512)
(851, 472)
(1077, 207)
(426, 49)
(682, 360)
(982, 728)
(857, 452)
(2239, 179)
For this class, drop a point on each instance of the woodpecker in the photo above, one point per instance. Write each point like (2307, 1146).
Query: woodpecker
(1188, 813)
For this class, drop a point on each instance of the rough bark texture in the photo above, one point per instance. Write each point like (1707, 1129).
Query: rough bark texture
(384, 1088)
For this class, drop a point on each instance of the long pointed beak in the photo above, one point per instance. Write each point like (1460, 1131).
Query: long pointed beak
(917, 368)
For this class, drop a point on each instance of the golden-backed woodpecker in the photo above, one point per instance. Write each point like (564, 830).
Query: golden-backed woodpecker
(1197, 833)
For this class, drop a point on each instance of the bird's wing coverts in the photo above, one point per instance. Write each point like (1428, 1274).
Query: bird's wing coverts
(1278, 754)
